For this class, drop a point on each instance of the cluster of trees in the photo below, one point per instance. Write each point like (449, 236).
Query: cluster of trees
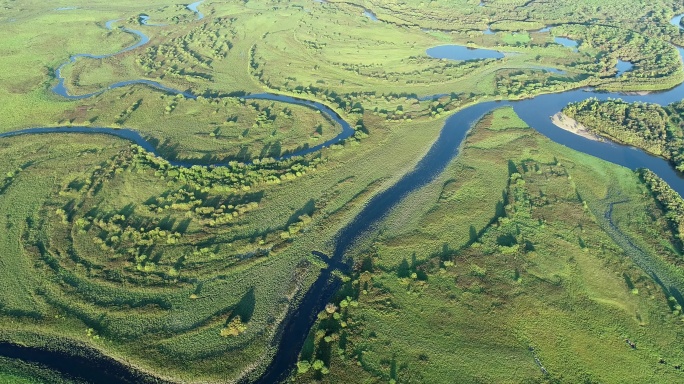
(211, 211)
(214, 39)
(190, 55)
(7, 181)
(669, 200)
(423, 70)
(653, 59)
(266, 117)
(121, 118)
(198, 198)
(651, 127)
(650, 18)
(330, 332)
(660, 28)
(234, 328)
(527, 82)
(234, 176)
(296, 227)
(118, 233)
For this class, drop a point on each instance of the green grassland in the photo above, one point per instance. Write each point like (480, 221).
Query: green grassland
(210, 130)
(501, 260)
(29, 59)
(186, 273)
(116, 253)
(325, 51)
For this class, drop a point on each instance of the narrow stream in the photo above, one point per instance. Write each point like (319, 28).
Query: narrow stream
(193, 7)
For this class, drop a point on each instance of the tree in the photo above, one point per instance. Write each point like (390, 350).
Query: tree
(234, 328)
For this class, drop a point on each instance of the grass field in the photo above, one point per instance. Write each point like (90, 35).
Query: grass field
(325, 51)
(187, 273)
(206, 129)
(502, 260)
(180, 293)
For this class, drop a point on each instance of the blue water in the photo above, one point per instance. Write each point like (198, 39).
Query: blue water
(134, 136)
(193, 7)
(544, 30)
(61, 89)
(622, 67)
(566, 42)
(460, 52)
(110, 25)
(145, 20)
(550, 69)
(369, 14)
(488, 31)
(528, 111)
(677, 21)
(535, 112)
(347, 130)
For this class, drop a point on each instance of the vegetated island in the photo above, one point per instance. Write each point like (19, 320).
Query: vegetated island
(656, 129)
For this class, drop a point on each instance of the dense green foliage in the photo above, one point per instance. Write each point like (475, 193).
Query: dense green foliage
(154, 262)
(647, 18)
(656, 129)
(207, 130)
(654, 60)
(672, 203)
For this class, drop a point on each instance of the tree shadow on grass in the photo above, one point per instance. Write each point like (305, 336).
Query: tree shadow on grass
(307, 209)
(244, 308)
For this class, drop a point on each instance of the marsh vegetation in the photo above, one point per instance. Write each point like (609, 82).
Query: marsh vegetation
(519, 259)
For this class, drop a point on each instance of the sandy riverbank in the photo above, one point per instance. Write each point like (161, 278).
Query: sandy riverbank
(569, 124)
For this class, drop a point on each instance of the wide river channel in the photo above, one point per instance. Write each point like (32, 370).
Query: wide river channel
(535, 112)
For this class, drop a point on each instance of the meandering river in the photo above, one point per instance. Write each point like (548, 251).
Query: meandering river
(298, 323)
(535, 112)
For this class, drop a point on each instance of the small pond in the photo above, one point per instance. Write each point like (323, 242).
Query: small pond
(369, 14)
(550, 70)
(461, 52)
(622, 67)
(566, 42)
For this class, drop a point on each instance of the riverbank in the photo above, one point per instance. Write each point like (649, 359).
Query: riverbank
(569, 124)
(83, 362)
(448, 233)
